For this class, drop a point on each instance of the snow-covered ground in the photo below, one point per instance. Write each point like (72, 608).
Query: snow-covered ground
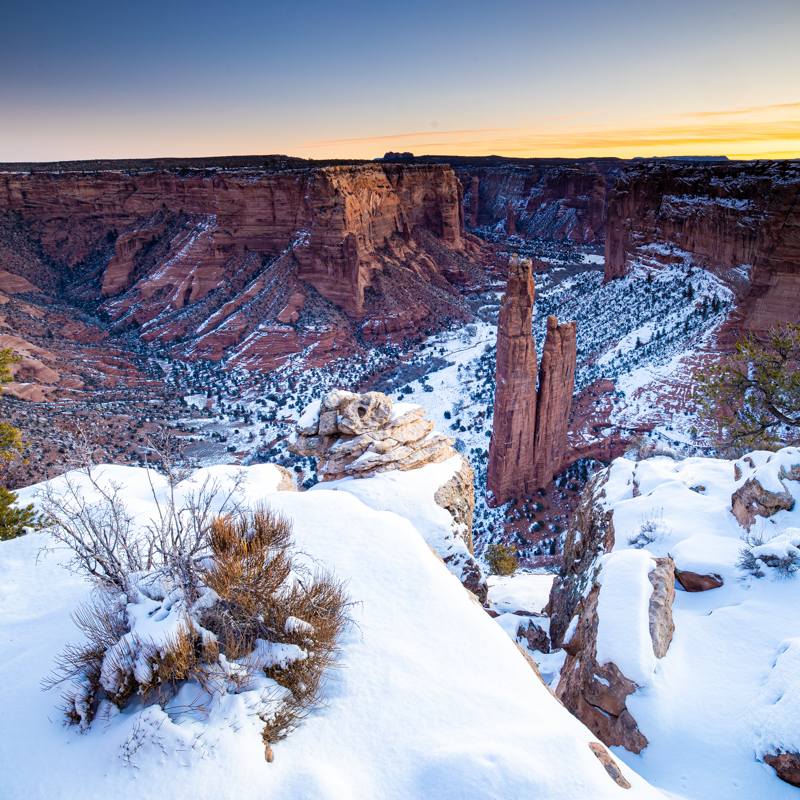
(432, 699)
(728, 688)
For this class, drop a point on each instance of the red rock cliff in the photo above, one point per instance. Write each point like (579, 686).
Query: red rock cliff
(222, 255)
(550, 201)
(741, 220)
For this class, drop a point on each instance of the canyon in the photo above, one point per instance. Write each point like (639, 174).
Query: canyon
(739, 220)
(128, 286)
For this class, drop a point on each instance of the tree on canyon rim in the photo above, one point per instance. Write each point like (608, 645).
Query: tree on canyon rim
(753, 395)
(13, 520)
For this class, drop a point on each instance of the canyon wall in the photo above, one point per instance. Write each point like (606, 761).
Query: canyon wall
(562, 201)
(741, 220)
(219, 255)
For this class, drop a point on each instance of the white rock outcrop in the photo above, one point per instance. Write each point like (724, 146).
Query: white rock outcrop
(358, 435)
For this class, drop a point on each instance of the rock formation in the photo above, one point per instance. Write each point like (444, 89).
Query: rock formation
(215, 257)
(741, 220)
(764, 492)
(511, 228)
(609, 765)
(361, 435)
(511, 457)
(358, 435)
(786, 765)
(596, 693)
(529, 435)
(692, 582)
(474, 198)
(556, 385)
(590, 534)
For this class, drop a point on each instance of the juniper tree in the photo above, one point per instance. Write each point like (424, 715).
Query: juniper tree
(752, 397)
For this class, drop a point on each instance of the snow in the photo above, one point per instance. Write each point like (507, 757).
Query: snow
(727, 689)
(521, 591)
(310, 417)
(432, 699)
(411, 495)
(778, 704)
(623, 627)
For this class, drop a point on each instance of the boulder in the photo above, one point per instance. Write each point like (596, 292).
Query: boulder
(535, 636)
(660, 610)
(752, 499)
(692, 582)
(787, 765)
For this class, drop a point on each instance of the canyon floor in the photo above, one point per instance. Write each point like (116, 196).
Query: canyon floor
(640, 340)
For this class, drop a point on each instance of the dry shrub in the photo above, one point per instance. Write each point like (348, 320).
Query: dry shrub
(263, 597)
(252, 595)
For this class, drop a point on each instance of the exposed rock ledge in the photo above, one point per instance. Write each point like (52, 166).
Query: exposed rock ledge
(368, 436)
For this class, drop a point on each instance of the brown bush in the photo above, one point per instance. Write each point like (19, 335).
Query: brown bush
(258, 594)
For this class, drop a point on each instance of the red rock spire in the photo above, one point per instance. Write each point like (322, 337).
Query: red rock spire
(510, 471)
(529, 435)
(556, 385)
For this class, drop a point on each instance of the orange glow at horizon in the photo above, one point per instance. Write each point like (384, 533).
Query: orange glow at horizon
(771, 131)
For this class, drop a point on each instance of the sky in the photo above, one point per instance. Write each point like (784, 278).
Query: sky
(354, 79)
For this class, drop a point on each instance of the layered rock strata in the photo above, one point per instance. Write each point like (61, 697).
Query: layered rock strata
(529, 432)
(358, 435)
(217, 257)
(596, 693)
(511, 455)
(556, 385)
(741, 220)
(548, 200)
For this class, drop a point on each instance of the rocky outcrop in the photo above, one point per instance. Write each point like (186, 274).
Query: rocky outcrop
(609, 765)
(597, 693)
(662, 576)
(511, 228)
(457, 496)
(472, 199)
(786, 765)
(752, 499)
(211, 257)
(534, 635)
(529, 432)
(556, 385)
(741, 220)
(358, 435)
(590, 534)
(361, 435)
(692, 582)
(511, 456)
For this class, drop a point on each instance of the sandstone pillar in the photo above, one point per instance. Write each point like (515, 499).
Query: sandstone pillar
(474, 189)
(510, 470)
(511, 228)
(556, 385)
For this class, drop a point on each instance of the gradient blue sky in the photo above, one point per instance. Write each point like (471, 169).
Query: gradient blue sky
(353, 79)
